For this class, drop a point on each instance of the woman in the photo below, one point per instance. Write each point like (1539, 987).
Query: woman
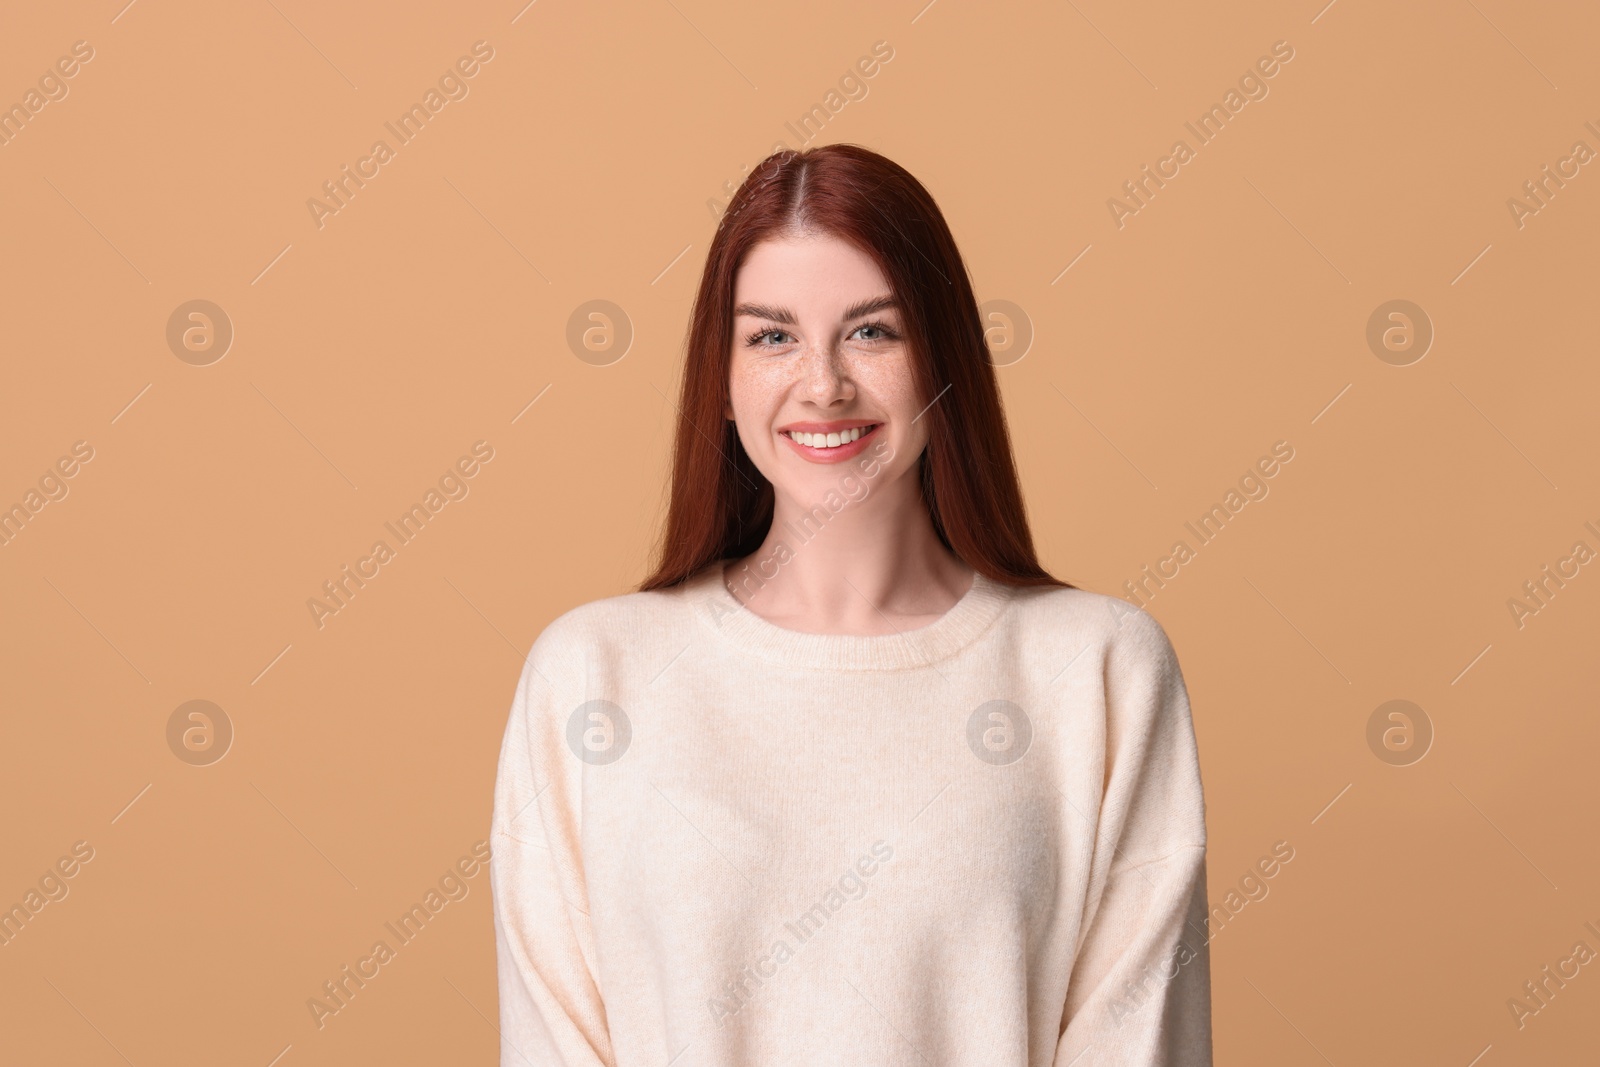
(851, 779)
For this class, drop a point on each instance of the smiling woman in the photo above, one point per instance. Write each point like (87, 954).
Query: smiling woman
(686, 770)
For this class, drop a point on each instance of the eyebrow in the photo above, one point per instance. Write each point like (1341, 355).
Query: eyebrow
(786, 317)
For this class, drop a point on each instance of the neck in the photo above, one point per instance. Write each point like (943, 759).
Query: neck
(875, 565)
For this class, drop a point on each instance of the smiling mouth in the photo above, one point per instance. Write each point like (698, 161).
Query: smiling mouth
(831, 440)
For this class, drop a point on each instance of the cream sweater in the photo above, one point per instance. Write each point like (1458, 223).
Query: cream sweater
(721, 843)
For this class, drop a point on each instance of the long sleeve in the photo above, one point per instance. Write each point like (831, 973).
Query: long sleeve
(551, 1012)
(1140, 990)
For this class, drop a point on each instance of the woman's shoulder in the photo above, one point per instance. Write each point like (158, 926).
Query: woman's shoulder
(621, 622)
(1082, 618)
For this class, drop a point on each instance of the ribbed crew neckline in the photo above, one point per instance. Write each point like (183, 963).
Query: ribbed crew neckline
(716, 606)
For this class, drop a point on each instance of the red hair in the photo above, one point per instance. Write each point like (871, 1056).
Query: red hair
(721, 505)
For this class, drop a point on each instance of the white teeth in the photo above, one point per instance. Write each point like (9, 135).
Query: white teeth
(832, 440)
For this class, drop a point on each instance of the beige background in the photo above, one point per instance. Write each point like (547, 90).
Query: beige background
(1228, 314)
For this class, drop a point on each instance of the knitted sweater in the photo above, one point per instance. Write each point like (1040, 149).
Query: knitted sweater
(718, 842)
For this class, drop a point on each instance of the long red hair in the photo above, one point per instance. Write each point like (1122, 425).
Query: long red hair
(721, 505)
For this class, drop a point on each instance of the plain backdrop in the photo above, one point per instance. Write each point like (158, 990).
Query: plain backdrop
(1148, 359)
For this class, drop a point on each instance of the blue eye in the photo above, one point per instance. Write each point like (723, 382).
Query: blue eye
(884, 330)
(754, 340)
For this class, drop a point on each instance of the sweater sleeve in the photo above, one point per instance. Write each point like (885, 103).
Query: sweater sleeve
(1140, 990)
(551, 1014)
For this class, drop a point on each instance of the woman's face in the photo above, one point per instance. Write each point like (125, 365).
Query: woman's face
(820, 373)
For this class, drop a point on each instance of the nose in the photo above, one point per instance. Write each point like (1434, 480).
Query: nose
(825, 377)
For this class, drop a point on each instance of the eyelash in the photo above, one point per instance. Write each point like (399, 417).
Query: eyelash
(753, 340)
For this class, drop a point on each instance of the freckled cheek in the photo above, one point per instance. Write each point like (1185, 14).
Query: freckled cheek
(890, 388)
(892, 391)
(757, 394)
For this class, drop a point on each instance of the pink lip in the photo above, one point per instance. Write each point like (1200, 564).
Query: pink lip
(837, 426)
(829, 455)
